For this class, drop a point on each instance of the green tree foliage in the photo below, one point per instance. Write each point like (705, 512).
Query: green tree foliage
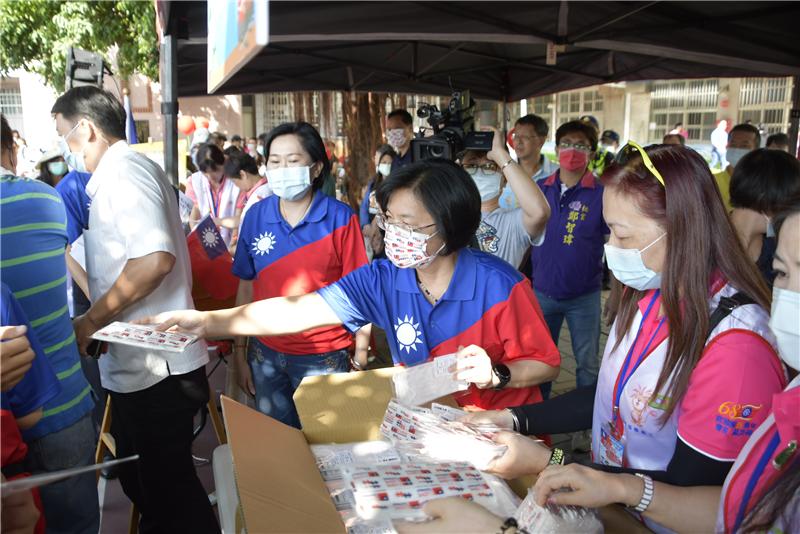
(35, 35)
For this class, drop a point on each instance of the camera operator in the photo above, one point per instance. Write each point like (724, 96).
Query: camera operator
(399, 133)
(506, 233)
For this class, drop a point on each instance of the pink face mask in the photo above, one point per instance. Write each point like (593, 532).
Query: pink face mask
(408, 249)
(572, 159)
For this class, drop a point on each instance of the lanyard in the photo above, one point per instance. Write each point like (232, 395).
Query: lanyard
(216, 199)
(751, 484)
(624, 376)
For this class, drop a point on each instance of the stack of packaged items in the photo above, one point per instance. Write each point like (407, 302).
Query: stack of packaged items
(434, 434)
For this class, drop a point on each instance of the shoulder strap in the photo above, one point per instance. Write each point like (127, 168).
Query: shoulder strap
(725, 307)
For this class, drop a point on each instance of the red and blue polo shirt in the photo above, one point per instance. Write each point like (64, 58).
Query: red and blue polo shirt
(284, 261)
(569, 263)
(488, 303)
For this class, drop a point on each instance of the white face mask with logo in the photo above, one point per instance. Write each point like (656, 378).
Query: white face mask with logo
(396, 137)
(290, 183)
(488, 184)
(784, 322)
(384, 169)
(407, 249)
(629, 268)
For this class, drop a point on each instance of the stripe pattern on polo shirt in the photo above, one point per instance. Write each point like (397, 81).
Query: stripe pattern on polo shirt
(33, 241)
(284, 261)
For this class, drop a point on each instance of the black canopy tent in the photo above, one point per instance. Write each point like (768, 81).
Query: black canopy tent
(498, 50)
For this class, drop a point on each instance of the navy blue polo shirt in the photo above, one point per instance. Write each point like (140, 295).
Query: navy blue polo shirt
(569, 263)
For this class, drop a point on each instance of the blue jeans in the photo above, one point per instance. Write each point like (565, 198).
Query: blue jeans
(276, 375)
(583, 319)
(69, 505)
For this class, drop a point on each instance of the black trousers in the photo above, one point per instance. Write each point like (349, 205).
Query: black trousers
(157, 424)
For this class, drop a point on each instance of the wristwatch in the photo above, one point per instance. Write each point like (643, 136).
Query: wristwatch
(503, 374)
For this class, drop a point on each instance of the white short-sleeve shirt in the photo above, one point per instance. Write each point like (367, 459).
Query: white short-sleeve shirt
(134, 213)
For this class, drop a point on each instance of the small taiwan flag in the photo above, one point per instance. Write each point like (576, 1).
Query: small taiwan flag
(211, 266)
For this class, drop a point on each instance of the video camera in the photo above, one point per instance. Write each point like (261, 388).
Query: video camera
(453, 130)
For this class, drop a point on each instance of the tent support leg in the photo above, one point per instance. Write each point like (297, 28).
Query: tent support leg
(169, 106)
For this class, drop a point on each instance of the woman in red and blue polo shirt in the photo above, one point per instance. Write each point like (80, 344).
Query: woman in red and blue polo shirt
(293, 242)
(433, 296)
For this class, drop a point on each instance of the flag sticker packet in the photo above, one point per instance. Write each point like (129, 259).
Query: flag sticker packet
(144, 336)
(428, 381)
(398, 492)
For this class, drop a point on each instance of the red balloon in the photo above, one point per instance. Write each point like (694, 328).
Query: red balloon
(201, 122)
(186, 125)
(510, 137)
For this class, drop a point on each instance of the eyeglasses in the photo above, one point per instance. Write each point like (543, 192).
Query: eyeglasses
(524, 138)
(382, 222)
(630, 150)
(576, 146)
(489, 167)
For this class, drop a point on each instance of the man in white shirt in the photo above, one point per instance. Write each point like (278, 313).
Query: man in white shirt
(138, 265)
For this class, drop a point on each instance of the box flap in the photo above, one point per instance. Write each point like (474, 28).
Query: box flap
(344, 407)
(280, 488)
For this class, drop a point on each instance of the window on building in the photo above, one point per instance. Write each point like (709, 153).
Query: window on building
(766, 102)
(691, 102)
(11, 106)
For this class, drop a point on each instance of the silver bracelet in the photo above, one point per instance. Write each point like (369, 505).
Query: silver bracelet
(507, 163)
(647, 494)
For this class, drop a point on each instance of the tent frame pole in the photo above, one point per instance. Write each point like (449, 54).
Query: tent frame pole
(169, 105)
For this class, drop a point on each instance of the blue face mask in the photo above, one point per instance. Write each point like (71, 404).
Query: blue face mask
(57, 168)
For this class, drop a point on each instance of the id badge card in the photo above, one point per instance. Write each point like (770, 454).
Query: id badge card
(612, 447)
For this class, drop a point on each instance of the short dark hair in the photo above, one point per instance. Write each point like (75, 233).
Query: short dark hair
(386, 150)
(539, 124)
(681, 139)
(744, 127)
(209, 157)
(582, 127)
(92, 103)
(312, 143)
(239, 162)
(217, 136)
(778, 139)
(233, 149)
(6, 136)
(404, 115)
(236, 137)
(448, 194)
(764, 180)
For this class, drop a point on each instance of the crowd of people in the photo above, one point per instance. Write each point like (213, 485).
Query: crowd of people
(693, 403)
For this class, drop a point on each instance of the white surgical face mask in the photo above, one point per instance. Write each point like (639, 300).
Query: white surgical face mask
(384, 168)
(733, 155)
(396, 137)
(290, 183)
(488, 184)
(629, 268)
(785, 324)
(262, 171)
(408, 249)
(260, 150)
(251, 148)
(75, 160)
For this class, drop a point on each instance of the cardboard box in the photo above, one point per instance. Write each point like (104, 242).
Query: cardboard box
(279, 487)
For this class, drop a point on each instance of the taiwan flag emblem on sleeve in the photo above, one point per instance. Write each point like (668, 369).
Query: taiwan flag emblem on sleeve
(214, 286)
